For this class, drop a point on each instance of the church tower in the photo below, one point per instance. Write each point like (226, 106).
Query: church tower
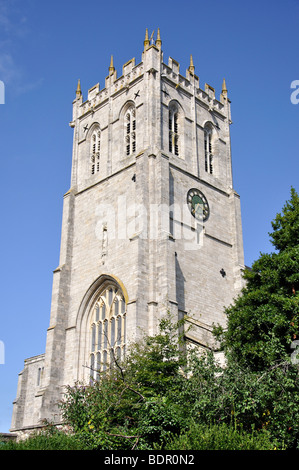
(151, 223)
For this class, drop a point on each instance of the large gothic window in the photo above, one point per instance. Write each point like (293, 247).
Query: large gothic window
(173, 131)
(107, 330)
(130, 130)
(95, 148)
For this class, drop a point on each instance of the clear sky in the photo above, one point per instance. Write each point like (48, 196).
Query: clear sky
(46, 46)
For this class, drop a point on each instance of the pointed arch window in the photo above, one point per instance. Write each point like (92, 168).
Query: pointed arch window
(173, 131)
(208, 150)
(95, 149)
(107, 331)
(130, 130)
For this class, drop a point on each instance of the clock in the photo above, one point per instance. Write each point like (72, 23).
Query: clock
(198, 204)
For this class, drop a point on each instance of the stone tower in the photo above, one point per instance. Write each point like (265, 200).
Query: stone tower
(151, 223)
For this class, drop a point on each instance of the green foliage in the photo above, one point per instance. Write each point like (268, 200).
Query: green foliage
(156, 362)
(219, 437)
(262, 325)
(267, 400)
(46, 440)
(286, 225)
(158, 419)
(264, 320)
(130, 409)
(201, 405)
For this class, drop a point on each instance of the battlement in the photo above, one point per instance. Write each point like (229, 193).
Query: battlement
(169, 73)
(113, 85)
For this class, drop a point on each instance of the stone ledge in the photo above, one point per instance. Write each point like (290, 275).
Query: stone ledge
(4, 436)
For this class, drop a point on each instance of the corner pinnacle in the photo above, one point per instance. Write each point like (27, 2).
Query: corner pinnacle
(146, 40)
(78, 91)
(191, 68)
(158, 40)
(111, 67)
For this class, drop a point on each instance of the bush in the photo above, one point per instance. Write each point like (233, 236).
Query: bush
(46, 440)
(219, 437)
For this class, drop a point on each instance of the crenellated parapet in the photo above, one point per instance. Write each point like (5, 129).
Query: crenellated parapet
(169, 73)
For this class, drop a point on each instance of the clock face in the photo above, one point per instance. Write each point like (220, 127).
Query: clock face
(198, 204)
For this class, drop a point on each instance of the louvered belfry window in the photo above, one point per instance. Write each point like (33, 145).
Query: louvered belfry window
(95, 151)
(130, 130)
(208, 151)
(173, 132)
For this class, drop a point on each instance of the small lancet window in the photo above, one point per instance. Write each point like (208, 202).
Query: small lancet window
(130, 130)
(208, 150)
(107, 331)
(40, 376)
(173, 132)
(95, 151)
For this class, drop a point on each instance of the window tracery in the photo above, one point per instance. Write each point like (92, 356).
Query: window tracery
(108, 330)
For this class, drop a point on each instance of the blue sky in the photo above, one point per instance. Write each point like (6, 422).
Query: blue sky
(46, 46)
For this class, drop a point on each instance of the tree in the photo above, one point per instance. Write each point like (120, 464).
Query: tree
(286, 225)
(264, 320)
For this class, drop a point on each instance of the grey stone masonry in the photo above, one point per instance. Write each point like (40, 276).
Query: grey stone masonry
(151, 212)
